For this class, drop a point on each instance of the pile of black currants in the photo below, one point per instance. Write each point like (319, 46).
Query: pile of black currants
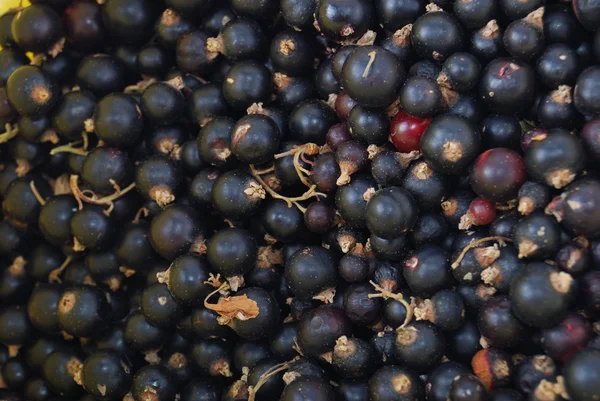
(300, 200)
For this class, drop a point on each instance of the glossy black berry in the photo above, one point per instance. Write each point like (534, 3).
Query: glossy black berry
(255, 139)
(419, 346)
(129, 22)
(36, 28)
(31, 91)
(536, 282)
(246, 83)
(450, 143)
(372, 76)
(82, 310)
(391, 212)
(343, 20)
(475, 14)
(20, 202)
(320, 328)
(436, 35)
(577, 373)
(236, 194)
(555, 158)
(232, 252)
(153, 381)
(174, 230)
(467, 388)
(507, 85)
(524, 39)
(421, 97)
(310, 271)
(118, 120)
(105, 376)
(427, 271)
(241, 39)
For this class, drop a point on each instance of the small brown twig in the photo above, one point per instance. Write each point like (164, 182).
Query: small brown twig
(299, 153)
(9, 133)
(273, 370)
(54, 275)
(37, 195)
(141, 212)
(383, 293)
(70, 148)
(266, 171)
(93, 198)
(310, 193)
(476, 243)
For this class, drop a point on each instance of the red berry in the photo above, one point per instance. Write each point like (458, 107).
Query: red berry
(406, 131)
(481, 213)
(498, 174)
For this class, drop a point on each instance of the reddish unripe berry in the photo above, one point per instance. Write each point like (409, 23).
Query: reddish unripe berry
(406, 131)
(498, 174)
(481, 213)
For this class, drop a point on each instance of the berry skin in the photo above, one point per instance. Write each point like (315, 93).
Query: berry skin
(247, 82)
(255, 139)
(20, 202)
(406, 131)
(320, 328)
(493, 367)
(579, 372)
(344, 20)
(555, 158)
(36, 28)
(395, 383)
(154, 381)
(92, 228)
(507, 86)
(541, 295)
(450, 143)
(498, 174)
(498, 324)
(118, 120)
(162, 103)
(308, 388)
(419, 346)
(105, 376)
(129, 22)
(391, 212)
(372, 76)
(174, 230)
(310, 271)
(31, 91)
(268, 317)
(41, 308)
(467, 388)
(585, 95)
(436, 35)
(83, 311)
(232, 252)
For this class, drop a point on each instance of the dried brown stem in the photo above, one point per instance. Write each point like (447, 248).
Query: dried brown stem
(474, 244)
(9, 133)
(273, 370)
(37, 195)
(54, 276)
(383, 293)
(107, 200)
(290, 201)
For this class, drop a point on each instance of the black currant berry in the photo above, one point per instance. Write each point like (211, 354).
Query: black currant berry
(507, 86)
(31, 91)
(372, 76)
(436, 35)
(541, 295)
